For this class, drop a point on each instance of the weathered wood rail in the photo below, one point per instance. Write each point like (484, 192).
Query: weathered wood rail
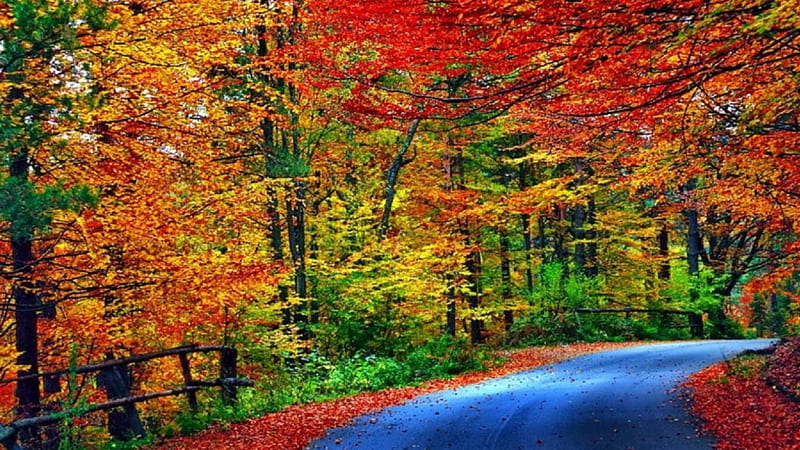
(113, 375)
(695, 320)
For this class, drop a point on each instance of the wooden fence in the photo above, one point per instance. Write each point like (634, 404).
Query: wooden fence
(114, 377)
(694, 320)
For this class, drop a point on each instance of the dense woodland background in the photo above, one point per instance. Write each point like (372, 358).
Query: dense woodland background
(369, 193)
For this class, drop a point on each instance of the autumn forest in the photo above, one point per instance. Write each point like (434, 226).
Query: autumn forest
(385, 188)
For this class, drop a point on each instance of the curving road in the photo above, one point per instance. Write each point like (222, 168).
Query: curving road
(622, 399)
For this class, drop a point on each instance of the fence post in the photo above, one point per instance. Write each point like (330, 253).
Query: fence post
(227, 371)
(51, 384)
(186, 369)
(123, 423)
(696, 324)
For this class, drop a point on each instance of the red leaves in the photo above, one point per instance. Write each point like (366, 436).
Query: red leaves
(784, 368)
(737, 405)
(298, 425)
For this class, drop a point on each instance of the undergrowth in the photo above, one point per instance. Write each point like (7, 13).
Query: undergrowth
(314, 377)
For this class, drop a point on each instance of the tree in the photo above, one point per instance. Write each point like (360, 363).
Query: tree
(117, 211)
(42, 80)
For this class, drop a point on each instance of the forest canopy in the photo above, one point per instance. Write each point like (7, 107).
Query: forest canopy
(318, 179)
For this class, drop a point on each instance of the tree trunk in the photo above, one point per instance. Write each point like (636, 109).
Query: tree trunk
(124, 423)
(559, 250)
(276, 242)
(295, 218)
(449, 183)
(392, 175)
(275, 227)
(579, 235)
(228, 371)
(297, 238)
(505, 275)
(527, 242)
(450, 323)
(25, 306)
(592, 268)
(694, 245)
(663, 251)
(27, 336)
(541, 237)
(581, 214)
(473, 266)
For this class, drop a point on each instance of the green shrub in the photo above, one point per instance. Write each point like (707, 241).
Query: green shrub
(370, 373)
(544, 329)
(249, 403)
(443, 357)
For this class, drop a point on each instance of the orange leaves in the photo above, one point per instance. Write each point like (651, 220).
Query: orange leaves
(623, 104)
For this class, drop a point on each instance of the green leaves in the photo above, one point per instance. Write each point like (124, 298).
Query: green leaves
(29, 210)
(285, 164)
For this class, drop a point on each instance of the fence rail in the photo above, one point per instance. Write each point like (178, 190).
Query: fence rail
(112, 375)
(695, 320)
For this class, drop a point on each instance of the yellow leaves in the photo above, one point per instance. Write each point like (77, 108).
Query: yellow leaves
(782, 15)
(7, 21)
(543, 196)
(8, 361)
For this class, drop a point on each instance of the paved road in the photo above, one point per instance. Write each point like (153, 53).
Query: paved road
(622, 399)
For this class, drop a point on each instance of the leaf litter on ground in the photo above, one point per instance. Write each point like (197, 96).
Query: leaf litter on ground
(296, 426)
(751, 402)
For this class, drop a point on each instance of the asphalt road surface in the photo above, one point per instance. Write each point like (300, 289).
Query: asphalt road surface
(621, 399)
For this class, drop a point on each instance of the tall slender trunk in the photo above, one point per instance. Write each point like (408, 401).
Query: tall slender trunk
(694, 244)
(297, 240)
(296, 206)
(525, 219)
(392, 175)
(559, 250)
(284, 147)
(25, 306)
(473, 266)
(505, 277)
(276, 242)
(579, 235)
(527, 242)
(451, 307)
(663, 251)
(295, 219)
(269, 144)
(450, 314)
(592, 268)
(581, 215)
(541, 236)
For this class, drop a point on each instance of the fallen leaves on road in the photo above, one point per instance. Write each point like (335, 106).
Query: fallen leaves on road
(741, 409)
(296, 426)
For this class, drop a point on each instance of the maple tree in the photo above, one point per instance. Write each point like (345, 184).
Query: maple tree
(670, 64)
(150, 221)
